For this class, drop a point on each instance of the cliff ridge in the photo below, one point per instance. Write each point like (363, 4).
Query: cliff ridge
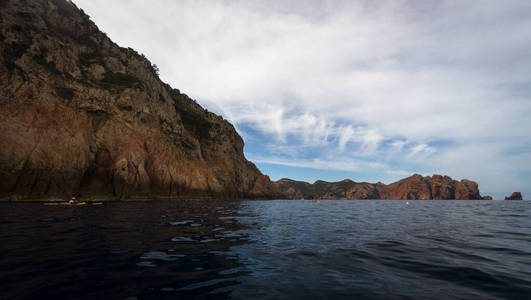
(415, 187)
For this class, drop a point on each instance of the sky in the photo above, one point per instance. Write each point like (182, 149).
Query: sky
(366, 90)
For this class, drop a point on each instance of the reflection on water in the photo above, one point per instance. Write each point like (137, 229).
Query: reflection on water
(118, 250)
(267, 249)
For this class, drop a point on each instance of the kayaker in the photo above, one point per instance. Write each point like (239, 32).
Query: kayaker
(72, 201)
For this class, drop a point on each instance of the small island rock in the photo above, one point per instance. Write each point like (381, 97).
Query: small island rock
(514, 196)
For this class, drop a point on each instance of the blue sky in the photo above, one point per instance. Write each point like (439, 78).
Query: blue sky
(367, 90)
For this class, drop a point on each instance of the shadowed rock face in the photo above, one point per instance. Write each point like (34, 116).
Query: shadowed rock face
(436, 187)
(82, 116)
(514, 196)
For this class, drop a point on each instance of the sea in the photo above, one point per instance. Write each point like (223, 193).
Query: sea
(279, 249)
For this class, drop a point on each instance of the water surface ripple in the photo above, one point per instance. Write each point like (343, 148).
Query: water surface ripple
(267, 249)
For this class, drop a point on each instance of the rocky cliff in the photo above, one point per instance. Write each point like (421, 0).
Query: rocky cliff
(434, 187)
(514, 196)
(82, 116)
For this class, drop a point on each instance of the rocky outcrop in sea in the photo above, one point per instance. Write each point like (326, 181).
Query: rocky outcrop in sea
(514, 196)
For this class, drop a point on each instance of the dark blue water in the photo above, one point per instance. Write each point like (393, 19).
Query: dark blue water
(267, 249)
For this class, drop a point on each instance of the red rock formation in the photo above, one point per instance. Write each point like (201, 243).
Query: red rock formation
(82, 116)
(436, 187)
(514, 196)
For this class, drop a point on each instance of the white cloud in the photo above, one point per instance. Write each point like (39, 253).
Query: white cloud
(340, 164)
(346, 134)
(421, 149)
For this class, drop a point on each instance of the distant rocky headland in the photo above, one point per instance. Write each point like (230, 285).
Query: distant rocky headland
(415, 187)
(81, 116)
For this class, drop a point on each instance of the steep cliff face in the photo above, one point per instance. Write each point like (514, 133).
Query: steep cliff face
(436, 187)
(82, 116)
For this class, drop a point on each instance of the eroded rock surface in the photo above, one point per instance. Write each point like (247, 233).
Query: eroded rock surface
(434, 187)
(82, 116)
